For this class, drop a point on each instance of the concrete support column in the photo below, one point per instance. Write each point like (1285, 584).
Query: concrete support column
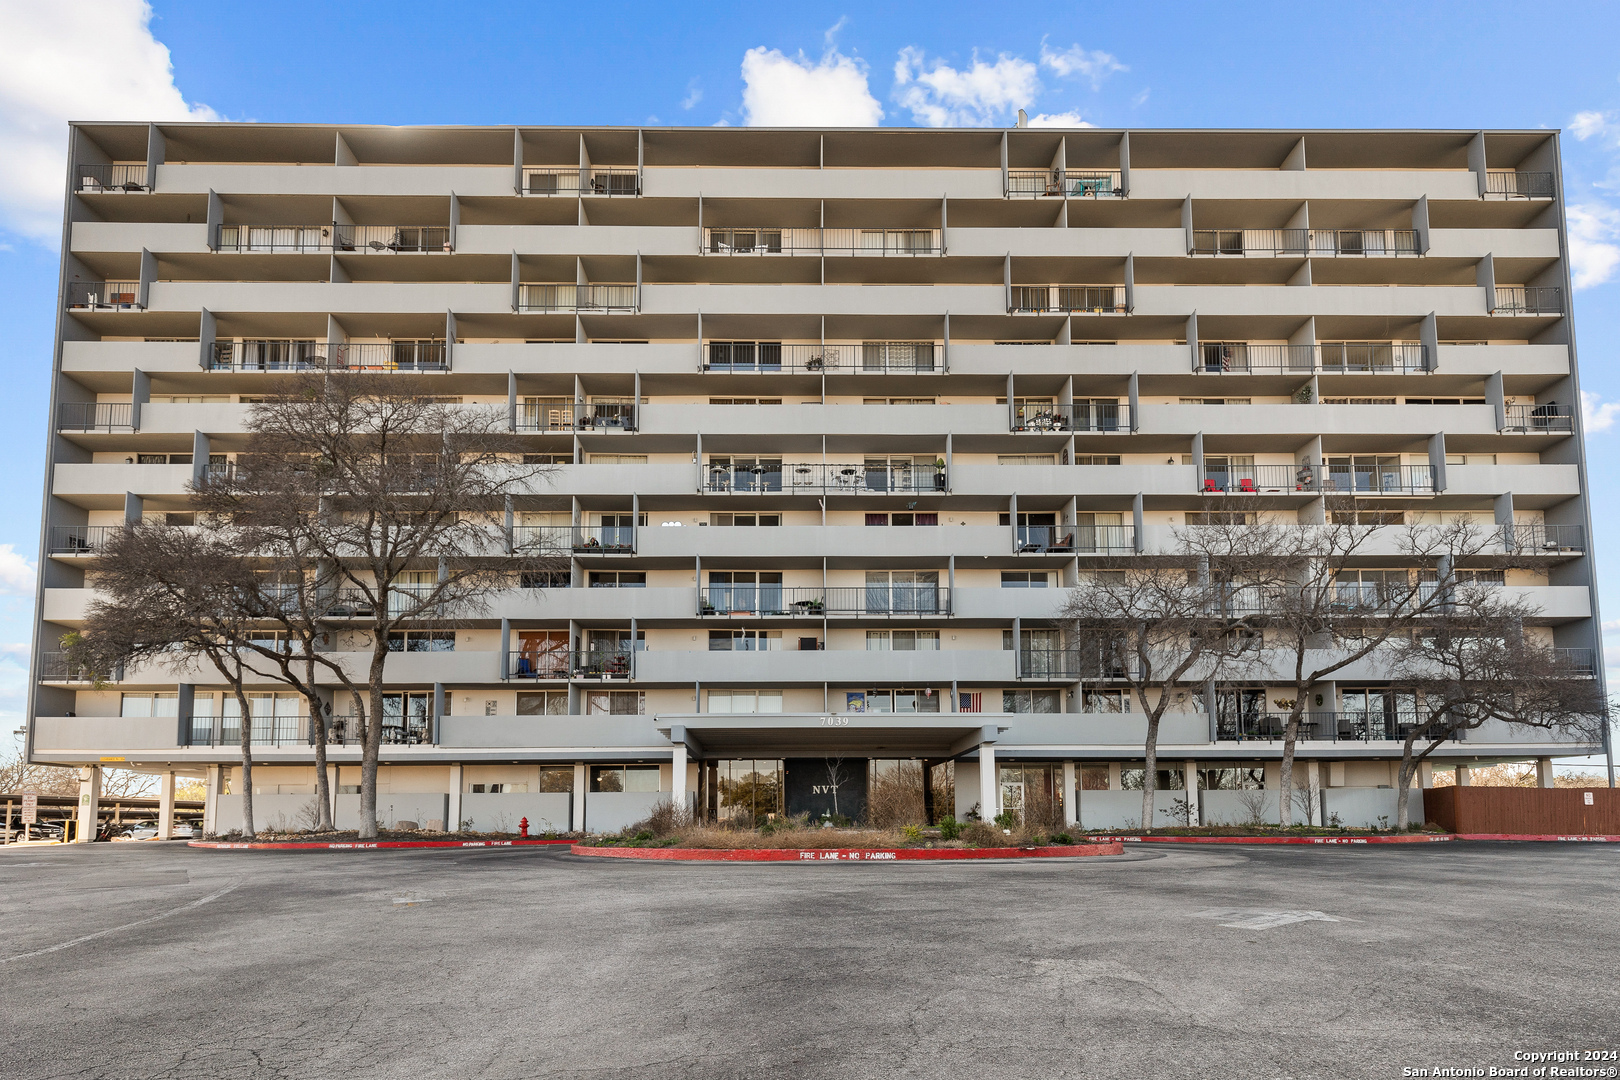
(677, 774)
(453, 814)
(1113, 776)
(1464, 776)
(1189, 772)
(89, 803)
(1071, 795)
(1426, 774)
(1544, 772)
(165, 822)
(1313, 781)
(581, 778)
(211, 801)
(989, 783)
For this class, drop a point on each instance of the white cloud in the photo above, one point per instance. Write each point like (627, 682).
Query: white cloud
(1594, 243)
(16, 573)
(1062, 120)
(1598, 415)
(788, 91)
(694, 94)
(81, 60)
(1587, 124)
(981, 95)
(1094, 65)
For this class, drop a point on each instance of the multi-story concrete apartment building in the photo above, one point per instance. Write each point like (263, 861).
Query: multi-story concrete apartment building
(837, 415)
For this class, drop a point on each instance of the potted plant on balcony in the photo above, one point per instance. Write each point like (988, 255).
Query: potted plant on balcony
(939, 474)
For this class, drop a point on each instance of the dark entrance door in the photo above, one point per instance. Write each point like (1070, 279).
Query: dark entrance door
(819, 786)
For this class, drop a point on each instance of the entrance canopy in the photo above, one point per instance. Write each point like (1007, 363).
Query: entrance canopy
(922, 735)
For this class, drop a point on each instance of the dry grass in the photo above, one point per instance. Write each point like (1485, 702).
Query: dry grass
(895, 798)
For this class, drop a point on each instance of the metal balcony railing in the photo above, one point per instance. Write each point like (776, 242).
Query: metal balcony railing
(581, 539)
(540, 663)
(345, 731)
(1581, 663)
(418, 356)
(1528, 300)
(225, 731)
(601, 663)
(81, 539)
(586, 416)
(1305, 242)
(1528, 539)
(1048, 664)
(268, 355)
(872, 358)
(802, 601)
(1379, 480)
(1073, 183)
(572, 180)
(1520, 185)
(275, 238)
(815, 241)
(1095, 416)
(60, 667)
(1078, 299)
(379, 239)
(1539, 419)
(1075, 539)
(604, 298)
(99, 178)
(353, 603)
(1259, 479)
(1334, 358)
(103, 295)
(816, 478)
(95, 416)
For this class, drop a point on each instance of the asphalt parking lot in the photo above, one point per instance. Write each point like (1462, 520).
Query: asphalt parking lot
(148, 960)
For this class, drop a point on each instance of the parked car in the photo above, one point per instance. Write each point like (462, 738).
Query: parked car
(149, 832)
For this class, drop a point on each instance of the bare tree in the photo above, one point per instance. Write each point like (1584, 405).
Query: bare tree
(1165, 626)
(398, 495)
(175, 595)
(1316, 623)
(1473, 663)
(18, 774)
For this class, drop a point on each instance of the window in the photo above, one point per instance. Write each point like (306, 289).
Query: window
(1217, 401)
(508, 788)
(1442, 401)
(421, 641)
(1167, 779)
(1096, 459)
(1221, 517)
(744, 401)
(727, 472)
(902, 591)
(892, 701)
(745, 520)
(745, 701)
(618, 579)
(618, 459)
(1025, 579)
(902, 640)
(548, 459)
(902, 519)
(615, 703)
(1358, 401)
(1106, 701)
(154, 705)
(1032, 701)
(745, 591)
(745, 640)
(624, 777)
(1239, 778)
(1368, 517)
(1026, 459)
(556, 779)
(1093, 778)
(898, 401)
(545, 579)
(542, 703)
(163, 459)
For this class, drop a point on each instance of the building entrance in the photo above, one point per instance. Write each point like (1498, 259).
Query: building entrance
(821, 786)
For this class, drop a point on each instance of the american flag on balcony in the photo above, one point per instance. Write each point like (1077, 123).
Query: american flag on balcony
(970, 703)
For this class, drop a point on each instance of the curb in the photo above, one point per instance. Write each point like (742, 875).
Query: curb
(1428, 838)
(1548, 837)
(1112, 847)
(362, 845)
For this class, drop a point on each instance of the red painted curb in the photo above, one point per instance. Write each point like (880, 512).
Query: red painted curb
(847, 854)
(1423, 838)
(1539, 837)
(362, 845)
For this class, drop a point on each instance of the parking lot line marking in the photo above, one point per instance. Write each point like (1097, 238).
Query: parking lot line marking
(127, 926)
(1257, 919)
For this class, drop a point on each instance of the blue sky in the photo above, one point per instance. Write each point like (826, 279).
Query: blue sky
(1451, 65)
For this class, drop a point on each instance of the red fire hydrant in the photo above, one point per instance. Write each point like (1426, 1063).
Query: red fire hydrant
(523, 828)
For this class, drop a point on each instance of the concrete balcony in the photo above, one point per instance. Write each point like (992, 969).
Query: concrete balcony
(1090, 360)
(551, 732)
(86, 737)
(1065, 480)
(1066, 243)
(927, 300)
(1550, 361)
(567, 358)
(118, 357)
(729, 183)
(1502, 243)
(132, 236)
(215, 418)
(1260, 184)
(1400, 301)
(1534, 486)
(572, 240)
(670, 479)
(837, 542)
(1399, 423)
(816, 420)
(76, 481)
(383, 297)
(810, 668)
(327, 180)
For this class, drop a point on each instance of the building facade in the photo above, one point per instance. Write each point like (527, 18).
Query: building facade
(836, 417)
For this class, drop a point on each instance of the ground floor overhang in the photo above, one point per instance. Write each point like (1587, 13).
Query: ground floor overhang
(893, 735)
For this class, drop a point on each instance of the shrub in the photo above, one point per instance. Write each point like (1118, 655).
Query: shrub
(950, 829)
(1007, 819)
(978, 834)
(911, 832)
(664, 818)
(1062, 839)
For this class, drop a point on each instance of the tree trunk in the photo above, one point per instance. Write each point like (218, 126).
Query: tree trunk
(1408, 767)
(372, 746)
(248, 832)
(1151, 775)
(323, 782)
(1285, 800)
